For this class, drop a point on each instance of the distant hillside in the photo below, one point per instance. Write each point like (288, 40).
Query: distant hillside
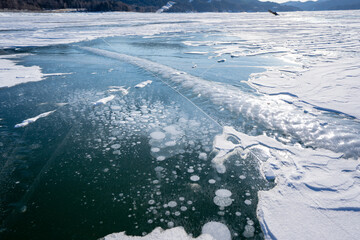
(325, 5)
(228, 6)
(147, 5)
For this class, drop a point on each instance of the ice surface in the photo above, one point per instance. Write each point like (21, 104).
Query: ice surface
(293, 39)
(269, 111)
(332, 85)
(317, 188)
(33, 119)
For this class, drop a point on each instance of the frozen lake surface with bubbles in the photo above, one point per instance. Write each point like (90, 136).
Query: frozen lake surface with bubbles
(180, 126)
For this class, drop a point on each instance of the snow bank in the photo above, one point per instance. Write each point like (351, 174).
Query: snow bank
(317, 195)
(34, 119)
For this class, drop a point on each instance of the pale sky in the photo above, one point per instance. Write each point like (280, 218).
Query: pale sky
(282, 1)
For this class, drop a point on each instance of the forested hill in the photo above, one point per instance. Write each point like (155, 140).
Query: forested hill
(146, 5)
(325, 5)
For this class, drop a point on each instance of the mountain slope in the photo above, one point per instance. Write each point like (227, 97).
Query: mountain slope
(147, 5)
(325, 5)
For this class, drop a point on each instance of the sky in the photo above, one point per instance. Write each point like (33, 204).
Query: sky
(282, 1)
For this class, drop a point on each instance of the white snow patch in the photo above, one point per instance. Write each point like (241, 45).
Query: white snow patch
(318, 188)
(143, 84)
(12, 74)
(124, 91)
(34, 119)
(158, 233)
(103, 101)
(330, 85)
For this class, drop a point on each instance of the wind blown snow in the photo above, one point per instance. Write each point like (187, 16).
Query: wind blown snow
(33, 119)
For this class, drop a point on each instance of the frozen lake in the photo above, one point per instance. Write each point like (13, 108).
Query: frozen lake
(113, 122)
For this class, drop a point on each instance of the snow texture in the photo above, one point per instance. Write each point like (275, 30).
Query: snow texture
(160, 234)
(317, 191)
(143, 84)
(12, 74)
(33, 119)
(103, 101)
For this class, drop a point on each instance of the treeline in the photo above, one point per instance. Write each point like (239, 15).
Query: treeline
(147, 5)
(85, 5)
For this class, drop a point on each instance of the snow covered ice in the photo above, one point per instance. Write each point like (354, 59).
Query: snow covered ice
(183, 126)
(33, 119)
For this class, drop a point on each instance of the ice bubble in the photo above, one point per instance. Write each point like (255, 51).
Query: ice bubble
(181, 198)
(172, 204)
(224, 193)
(115, 146)
(160, 158)
(117, 152)
(195, 178)
(212, 181)
(170, 143)
(172, 129)
(190, 170)
(155, 149)
(159, 169)
(170, 224)
(222, 202)
(242, 177)
(238, 214)
(157, 135)
(249, 231)
(150, 221)
(183, 208)
(217, 230)
(203, 156)
(247, 202)
(177, 213)
(151, 202)
(221, 213)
